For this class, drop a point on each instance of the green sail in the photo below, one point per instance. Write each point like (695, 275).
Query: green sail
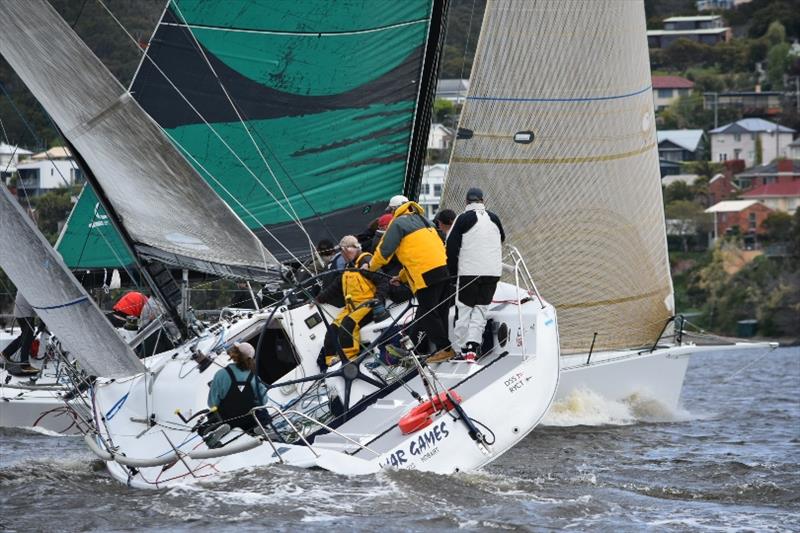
(305, 117)
(88, 240)
(314, 112)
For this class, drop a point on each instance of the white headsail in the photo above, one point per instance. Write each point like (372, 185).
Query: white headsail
(167, 209)
(58, 298)
(558, 130)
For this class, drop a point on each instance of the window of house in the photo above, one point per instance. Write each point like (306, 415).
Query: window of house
(423, 189)
(752, 136)
(51, 171)
(665, 93)
(723, 157)
(737, 137)
(437, 190)
(751, 221)
(723, 217)
(736, 153)
(683, 92)
(769, 179)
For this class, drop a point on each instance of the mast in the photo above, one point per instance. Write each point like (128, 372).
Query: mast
(427, 91)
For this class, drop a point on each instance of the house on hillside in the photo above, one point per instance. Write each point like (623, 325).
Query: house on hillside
(793, 149)
(741, 140)
(454, 90)
(739, 216)
(714, 5)
(746, 103)
(9, 157)
(783, 196)
(440, 137)
(430, 191)
(779, 171)
(705, 29)
(721, 187)
(677, 146)
(667, 89)
(46, 171)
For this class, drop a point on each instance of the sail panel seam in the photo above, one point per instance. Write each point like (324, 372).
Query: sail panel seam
(555, 160)
(565, 99)
(613, 301)
(297, 33)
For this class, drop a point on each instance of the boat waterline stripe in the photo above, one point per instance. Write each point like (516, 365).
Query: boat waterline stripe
(73, 302)
(578, 99)
(298, 33)
(554, 160)
(611, 302)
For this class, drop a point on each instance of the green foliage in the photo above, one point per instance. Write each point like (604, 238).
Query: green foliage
(678, 191)
(776, 34)
(704, 169)
(686, 218)
(778, 227)
(759, 150)
(778, 63)
(463, 26)
(51, 209)
(444, 111)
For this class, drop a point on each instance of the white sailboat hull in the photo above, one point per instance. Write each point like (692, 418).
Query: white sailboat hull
(621, 375)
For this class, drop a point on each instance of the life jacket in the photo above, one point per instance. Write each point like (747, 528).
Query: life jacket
(357, 286)
(238, 401)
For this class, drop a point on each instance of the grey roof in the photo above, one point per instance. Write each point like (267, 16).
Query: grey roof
(751, 125)
(770, 169)
(686, 139)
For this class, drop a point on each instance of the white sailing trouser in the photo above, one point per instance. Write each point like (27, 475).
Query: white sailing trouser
(470, 324)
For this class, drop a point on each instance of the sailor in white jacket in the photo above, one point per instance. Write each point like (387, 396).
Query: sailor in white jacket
(474, 254)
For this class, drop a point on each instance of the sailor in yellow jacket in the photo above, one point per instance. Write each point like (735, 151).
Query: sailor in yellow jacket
(360, 288)
(417, 245)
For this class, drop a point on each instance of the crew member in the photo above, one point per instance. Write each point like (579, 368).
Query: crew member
(130, 305)
(26, 318)
(235, 389)
(474, 254)
(444, 221)
(416, 244)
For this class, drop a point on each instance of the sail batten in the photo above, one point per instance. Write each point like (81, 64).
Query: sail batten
(581, 196)
(160, 201)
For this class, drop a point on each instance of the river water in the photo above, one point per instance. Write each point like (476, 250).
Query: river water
(729, 460)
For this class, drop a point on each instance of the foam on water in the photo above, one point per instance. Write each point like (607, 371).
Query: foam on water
(584, 407)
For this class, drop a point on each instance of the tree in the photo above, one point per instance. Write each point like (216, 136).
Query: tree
(778, 227)
(686, 219)
(707, 169)
(444, 111)
(778, 62)
(51, 210)
(759, 150)
(678, 191)
(776, 34)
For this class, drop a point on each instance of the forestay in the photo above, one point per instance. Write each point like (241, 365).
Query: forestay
(314, 112)
(578, 189)
(167, 209)
(59, 300)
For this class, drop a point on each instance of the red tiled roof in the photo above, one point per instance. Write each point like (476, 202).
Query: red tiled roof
(786, 188)
(671, 82)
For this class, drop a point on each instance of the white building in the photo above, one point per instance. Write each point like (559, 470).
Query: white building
(740, 139)
(440, 137)
(793, 150)
(46, 171)
(430, 192)
(9, 157)
(454, 90)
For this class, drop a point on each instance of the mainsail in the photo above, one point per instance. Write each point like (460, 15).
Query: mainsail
(58, 298)
(167, 210)
(558, 130)
(305, 117)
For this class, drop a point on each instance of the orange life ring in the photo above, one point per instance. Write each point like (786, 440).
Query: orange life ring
(420, 416)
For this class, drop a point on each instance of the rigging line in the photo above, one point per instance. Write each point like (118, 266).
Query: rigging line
(466, 45)
(186, 152)
(297, 33)
(235, 199)
(197, 112)
(5, 135)
(246, 129)
(19, 114)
